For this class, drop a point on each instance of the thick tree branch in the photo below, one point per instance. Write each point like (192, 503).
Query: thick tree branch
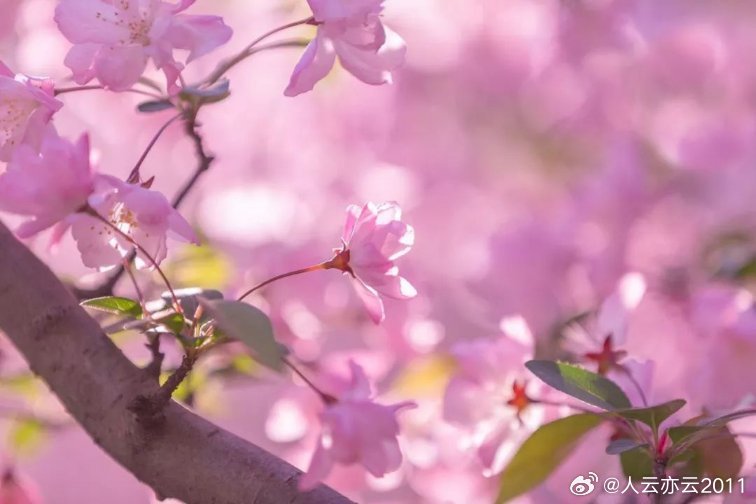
(185, 456)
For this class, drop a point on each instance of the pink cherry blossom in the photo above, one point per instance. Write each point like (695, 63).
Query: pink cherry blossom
(114, 39)
(351, 30)
(598, 342)
(144, 215)
(489, 398)
(374, 237)
(47, 186)
(26, 106)
(356, 430)
(16, 490)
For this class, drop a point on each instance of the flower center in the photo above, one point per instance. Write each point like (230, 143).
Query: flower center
(140, 30)
(138, 27)
(123, 218)
(607, 358)
(519, 399)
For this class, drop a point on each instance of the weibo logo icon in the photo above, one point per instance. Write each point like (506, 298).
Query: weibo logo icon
(584, 485)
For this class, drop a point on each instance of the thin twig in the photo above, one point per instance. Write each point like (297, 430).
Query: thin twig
(134, 175)
(155, 366)
(327, 398)
(76, 89)
(248, 51)
(204, 158)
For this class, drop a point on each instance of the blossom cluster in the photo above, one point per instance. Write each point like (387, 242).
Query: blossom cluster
(580, 174)
(52, 182)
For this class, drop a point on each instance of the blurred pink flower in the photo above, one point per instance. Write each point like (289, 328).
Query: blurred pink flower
(598, 343)
(143, 214)
(26, 106)
(352, 31)
(488, 398)
(47, 186)
(374, 237)
(114, 39)
(356, 430)
(13, 491)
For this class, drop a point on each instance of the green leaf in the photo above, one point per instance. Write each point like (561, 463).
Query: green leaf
(150, 107)
(189, 298)
(249, 325)
(213, 94)
(692, 432)
(542, 453)
(115, 305)
(637, 463)
(622, 445)
(719, 455)
(653, 416)
(581, 384)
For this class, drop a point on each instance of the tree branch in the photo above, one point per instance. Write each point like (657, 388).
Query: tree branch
(184, 457)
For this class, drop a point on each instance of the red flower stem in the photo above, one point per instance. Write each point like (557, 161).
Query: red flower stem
(317, 267)
(127, 267)
(75, 89)
(635, 384)
(225, 67)
(177, 305)
(327, 398)
(134, 175)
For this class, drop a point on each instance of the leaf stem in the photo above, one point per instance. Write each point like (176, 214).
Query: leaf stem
(327, 398)
(134, 175)
(635, 383)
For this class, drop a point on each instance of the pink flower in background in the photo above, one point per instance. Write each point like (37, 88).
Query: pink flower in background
(143, 214)
(351, 30)
(488, 397)
(113, 40)
(356, 430)
(13, 491)
(374, 237)
(598, 343)
(26, 106)
(47, 186)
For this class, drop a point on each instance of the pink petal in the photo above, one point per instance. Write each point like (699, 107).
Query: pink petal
(320, 467)
(316, 62)
(80, 60)
(119, 68)
(371, 300)
(182, 6)
(198, 34)
(179, 228)
(5, 71)
(92, 21)
(353, 213)
(360, 385)
(369, 66)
